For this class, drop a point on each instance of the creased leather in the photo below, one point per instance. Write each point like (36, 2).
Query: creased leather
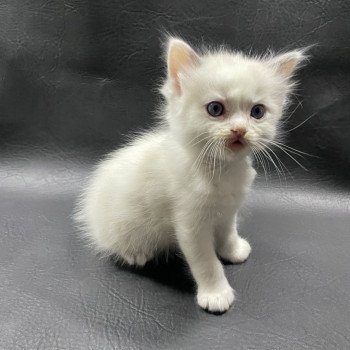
(78, 75)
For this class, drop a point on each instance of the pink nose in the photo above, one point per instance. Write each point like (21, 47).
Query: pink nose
(239, 132)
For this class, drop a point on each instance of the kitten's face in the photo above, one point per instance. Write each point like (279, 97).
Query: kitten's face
(225, 101)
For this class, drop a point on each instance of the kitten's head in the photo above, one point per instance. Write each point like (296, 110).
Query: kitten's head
(225, 99)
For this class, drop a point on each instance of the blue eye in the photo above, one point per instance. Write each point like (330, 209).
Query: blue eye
(257, 112)
(215, 109)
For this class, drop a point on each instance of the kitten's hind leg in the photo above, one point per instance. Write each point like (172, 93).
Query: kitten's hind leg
(137, 259)
(229, 245)
(135, 246)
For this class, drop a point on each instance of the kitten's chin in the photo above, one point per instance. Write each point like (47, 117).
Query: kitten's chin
(236, 150)
(235, 145)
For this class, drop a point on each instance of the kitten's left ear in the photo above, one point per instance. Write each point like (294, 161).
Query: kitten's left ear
(287, 63)
(179, 58)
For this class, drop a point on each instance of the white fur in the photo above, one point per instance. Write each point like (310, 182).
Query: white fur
(167, 188)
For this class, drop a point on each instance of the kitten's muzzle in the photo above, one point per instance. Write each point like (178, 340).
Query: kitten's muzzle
(236, 142)
(238, 133)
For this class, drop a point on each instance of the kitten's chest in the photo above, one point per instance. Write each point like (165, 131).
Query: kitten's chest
(226, 192)
(233, 183)
(225, 198)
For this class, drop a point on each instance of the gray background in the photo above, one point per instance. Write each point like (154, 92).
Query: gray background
(78, 75)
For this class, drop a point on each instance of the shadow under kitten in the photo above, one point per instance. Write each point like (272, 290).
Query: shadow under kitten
(170, 270)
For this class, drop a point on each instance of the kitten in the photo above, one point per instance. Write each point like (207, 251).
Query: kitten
(181, 184)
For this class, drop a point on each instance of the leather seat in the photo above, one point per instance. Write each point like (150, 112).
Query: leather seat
(77, 76)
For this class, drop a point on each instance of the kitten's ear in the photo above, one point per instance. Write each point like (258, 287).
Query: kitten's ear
(180, 56)
(287, 63)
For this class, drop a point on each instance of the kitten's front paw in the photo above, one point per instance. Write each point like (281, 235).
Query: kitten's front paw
(218, 300)
(239, 253)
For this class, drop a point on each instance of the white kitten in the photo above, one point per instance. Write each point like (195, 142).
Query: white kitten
(181, 184)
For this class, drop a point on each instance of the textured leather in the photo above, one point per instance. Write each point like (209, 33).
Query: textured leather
(78, 75)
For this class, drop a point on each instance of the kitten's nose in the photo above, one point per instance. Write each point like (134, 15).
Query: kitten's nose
(239, 132)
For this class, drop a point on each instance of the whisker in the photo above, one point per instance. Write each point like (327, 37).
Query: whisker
(221, 145)
(300, 103)
(201, 140)
(289, 155)
(212, 160)
(291, 149)
(302, 123)
(265, 165)
(198, 159)
(198, 136)
(278, 170)
(283, 166)
(265, 159)
(260, 160)
(203, 153)
(266, 146)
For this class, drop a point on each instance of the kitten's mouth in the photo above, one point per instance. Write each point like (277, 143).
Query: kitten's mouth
(234, 145)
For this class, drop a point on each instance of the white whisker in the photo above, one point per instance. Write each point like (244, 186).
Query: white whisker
(302, 123)
(300, 103)
(289, 155)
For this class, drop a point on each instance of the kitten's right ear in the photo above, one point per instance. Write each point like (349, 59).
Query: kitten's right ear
(180, 56)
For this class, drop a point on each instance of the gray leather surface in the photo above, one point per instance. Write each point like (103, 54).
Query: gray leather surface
(75, 77)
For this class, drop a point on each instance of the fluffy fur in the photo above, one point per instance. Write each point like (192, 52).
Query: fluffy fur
(182, 184)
